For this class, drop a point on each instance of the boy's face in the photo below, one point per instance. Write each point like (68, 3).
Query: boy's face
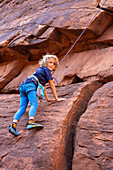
(51, 64)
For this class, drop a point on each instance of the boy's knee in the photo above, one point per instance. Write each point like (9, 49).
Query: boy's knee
(34, 104)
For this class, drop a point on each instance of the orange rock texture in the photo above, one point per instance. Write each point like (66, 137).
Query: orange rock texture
(77, 132)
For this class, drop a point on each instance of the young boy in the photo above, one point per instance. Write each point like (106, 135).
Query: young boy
(28, 91)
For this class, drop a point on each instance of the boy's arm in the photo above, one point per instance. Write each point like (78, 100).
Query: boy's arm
(46, 95)
(54, 92)
(53, 88)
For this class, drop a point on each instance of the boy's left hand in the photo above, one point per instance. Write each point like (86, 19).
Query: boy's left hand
(61, 99)
(58, 100)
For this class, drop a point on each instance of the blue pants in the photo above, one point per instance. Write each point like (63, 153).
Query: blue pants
(27, 94)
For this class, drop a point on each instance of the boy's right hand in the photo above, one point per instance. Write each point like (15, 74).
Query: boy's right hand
(51, 100)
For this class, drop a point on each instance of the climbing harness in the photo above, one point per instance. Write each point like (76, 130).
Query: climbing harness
(82, 33)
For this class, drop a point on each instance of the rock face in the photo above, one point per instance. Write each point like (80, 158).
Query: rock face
(77, 132)
(94, 138)
(52, 147)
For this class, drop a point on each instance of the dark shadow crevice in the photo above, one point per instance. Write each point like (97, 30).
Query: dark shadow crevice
(66, 150)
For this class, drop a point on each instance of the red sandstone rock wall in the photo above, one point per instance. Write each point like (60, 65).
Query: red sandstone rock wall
(29, 30)
(77, 132)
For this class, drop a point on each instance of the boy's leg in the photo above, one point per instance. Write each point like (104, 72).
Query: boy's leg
(22, 108)
(33, 107)
(33, 103)
(19, 113)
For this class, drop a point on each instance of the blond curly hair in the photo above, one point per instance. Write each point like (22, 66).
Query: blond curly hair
(46, 58)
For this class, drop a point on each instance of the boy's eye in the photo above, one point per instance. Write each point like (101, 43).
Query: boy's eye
(52, 63)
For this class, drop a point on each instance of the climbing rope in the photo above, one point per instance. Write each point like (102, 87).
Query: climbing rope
(82, 33)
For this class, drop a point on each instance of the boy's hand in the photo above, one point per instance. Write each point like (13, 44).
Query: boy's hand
(51, 100)
(60, 99)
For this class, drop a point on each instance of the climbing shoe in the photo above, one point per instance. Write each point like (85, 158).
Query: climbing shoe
(13, 131)
(34, 125)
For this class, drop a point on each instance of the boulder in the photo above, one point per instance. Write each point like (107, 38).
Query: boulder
(9, 70)
(33, 29)
(93, 65)
(12, 86)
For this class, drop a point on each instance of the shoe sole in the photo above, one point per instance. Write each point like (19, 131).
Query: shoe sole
(36, 127)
